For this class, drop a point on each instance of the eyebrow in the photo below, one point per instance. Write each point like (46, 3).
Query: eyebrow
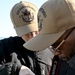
(68, 33)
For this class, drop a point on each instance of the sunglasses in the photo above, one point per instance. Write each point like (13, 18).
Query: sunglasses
(61, 43)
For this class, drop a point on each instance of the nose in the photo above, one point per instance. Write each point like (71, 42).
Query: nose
(34, 34)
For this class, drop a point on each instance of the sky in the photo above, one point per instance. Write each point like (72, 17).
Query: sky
(6, 27)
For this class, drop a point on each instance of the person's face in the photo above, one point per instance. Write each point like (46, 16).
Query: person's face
(65, 48)
(30, 35)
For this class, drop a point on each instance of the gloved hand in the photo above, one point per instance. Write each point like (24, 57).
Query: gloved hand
(25, 71)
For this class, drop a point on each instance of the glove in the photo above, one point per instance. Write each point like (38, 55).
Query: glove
(25, 71)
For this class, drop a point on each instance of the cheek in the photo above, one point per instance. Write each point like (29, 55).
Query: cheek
(29, 38)
(67, 50)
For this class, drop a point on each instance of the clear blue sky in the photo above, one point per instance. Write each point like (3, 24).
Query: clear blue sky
(6, 27)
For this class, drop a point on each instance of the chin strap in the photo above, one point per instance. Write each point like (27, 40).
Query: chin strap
(55, 66)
